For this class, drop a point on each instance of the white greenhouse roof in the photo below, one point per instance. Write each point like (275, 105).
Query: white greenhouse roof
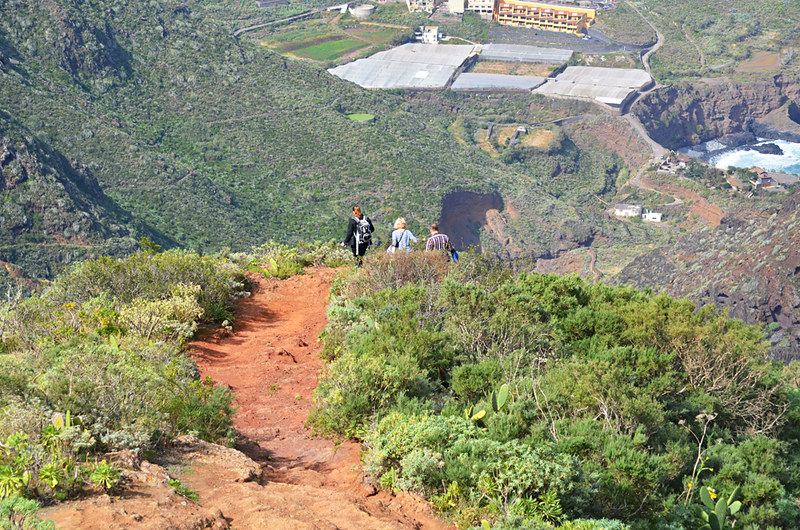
(407, 66)
(595, 75)
(444, 54)
(476, 81)
(372, 73)
(607, 85)
(525, 54)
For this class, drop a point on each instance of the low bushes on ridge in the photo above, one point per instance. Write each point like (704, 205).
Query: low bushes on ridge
(615, 396)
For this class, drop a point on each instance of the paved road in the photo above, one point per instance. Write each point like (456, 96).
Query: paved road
(659, 38)
(655, 147)
(599, 43)
(265, 24)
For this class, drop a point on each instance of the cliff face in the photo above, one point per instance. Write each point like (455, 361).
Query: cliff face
(692, 113)
(75, 40)
(749, 265)
(52, 210)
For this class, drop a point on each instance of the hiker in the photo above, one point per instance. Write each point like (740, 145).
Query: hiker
(441, 242)
(437, 241)
(401, 237)
(359, 234)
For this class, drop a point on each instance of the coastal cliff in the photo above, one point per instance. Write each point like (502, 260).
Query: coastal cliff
(691, 113)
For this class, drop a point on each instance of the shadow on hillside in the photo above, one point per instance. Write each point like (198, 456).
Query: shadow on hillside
(464, 215)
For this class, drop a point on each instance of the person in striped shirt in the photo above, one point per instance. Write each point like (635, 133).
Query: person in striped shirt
(437, 241)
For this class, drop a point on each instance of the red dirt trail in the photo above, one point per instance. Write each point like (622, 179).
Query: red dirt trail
(270, 359)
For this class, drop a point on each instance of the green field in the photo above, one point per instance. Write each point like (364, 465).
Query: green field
(361, 117)
(328, 51)
(326, 38)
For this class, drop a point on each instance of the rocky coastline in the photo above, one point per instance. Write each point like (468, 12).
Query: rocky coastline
(755, 137)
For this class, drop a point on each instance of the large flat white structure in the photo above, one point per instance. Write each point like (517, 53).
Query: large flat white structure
(407, 66)
(525, 54)
(611, 86)
(477, 81)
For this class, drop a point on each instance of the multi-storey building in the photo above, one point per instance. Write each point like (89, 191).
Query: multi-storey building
(421, 5)
(485, 8)
(549, 17)
(456, 6)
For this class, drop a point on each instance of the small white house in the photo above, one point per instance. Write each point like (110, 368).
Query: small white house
(627, 210)
(429, 34)
(654, 217)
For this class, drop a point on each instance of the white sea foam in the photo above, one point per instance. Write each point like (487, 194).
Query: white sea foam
(714, 145)
(788, 162)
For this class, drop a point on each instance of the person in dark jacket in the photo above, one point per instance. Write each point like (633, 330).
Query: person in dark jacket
(359, 234)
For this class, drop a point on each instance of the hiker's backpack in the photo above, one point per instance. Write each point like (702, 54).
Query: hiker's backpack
(363, 232)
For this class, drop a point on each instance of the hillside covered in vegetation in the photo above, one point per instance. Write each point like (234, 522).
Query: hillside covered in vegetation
(204, 140)
(538, 401)
(708, 38)
(514, 398)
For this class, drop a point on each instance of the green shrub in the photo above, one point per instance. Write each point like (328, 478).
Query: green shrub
(616, 398)
(184, 490)
(278, 260)
(473, 381)
(206, 410)
(149, 276)
(17, 512)
(95, 364)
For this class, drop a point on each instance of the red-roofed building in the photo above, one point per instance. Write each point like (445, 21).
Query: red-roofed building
(761, 178)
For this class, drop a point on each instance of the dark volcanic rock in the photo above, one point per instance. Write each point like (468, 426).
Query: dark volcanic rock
(748, 266)
(738, 139)
(765, 149)
(692, 113)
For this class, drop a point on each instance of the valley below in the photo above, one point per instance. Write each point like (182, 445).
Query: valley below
(186, 343)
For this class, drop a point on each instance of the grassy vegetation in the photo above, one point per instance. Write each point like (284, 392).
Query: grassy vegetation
(332, 49)
(96, 362)
(361, 117)
(707, 37)
(327, 37)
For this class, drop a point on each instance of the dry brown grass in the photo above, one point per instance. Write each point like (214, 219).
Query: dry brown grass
(541, 70)
(505, 67)
(504, 133)
(538, 138)
(762, 62)
(493, 67)
(382, 270)
(483, 142)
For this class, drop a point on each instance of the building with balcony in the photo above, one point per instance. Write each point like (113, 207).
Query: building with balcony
(548, 17)
(484, 8)
(416, 6)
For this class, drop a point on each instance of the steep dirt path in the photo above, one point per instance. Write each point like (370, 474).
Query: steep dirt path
(294, 480)
(271, 363)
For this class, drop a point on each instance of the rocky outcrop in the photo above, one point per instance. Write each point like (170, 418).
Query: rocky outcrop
(83, 46)
(692, 113)
(748, 266)
(53, 210)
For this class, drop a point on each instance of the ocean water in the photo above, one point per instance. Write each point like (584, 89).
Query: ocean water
(788, 162)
